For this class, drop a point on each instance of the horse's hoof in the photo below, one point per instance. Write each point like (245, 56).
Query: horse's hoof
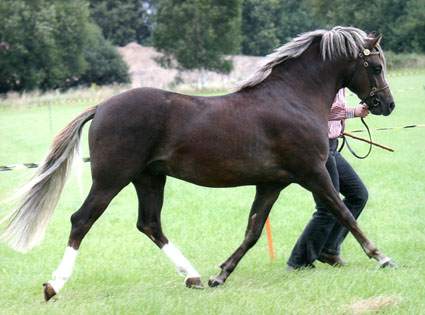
(389, 264)
(49, 292)
(215, 281)
(194, 283)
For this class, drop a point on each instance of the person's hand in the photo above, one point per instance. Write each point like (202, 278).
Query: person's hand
(361, 111)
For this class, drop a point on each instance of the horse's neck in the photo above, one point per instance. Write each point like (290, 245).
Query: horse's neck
(309, 78)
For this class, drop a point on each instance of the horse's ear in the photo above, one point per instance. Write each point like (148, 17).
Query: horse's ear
(372, 34)
(375, 41)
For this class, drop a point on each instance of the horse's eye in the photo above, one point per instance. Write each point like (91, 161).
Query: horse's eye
(377, 70)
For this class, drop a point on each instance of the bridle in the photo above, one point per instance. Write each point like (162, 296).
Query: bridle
(371, 101)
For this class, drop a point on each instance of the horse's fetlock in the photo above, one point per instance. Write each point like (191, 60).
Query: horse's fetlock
(369, 253)
(373, 253)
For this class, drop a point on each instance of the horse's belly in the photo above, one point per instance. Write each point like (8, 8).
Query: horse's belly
(224, 173)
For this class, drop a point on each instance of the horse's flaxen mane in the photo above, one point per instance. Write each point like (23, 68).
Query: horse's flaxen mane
(339, 41)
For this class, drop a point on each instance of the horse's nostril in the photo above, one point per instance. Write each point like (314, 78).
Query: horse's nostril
(392, 105)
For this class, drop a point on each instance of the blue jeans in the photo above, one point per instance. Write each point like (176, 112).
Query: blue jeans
(324, 232)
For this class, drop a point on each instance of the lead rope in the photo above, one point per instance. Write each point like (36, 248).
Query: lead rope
(345, 141)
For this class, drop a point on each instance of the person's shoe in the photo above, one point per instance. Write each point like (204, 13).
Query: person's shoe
(297, 268)
(333, 260)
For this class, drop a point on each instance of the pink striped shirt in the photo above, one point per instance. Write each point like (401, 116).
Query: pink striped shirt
(338, 114)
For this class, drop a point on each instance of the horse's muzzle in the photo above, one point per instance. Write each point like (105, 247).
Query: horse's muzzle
(387, 110)
(376, 107)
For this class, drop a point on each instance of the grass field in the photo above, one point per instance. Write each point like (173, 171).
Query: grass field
(120, 271)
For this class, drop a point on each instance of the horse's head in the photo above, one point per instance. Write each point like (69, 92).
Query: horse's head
(367, 78)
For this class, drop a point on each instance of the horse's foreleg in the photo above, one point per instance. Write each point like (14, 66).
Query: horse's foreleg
(265, 197)
(321, 186)
(82, 220)
(150, 192)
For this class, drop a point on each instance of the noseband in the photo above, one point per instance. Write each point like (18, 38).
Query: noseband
(373, 100)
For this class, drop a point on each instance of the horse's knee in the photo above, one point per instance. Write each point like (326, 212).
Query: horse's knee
(83, 219)
(79, 227)
(141, 227)
(153, 230)
(251, 238)
(76, 218)
(250, 242)
(150, 229)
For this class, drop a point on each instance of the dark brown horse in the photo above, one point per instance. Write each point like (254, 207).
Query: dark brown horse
(270, 133)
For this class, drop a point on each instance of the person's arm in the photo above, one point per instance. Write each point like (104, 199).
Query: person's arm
(361, 111)
(338, 110)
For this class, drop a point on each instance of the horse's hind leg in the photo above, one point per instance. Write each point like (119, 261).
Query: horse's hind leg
(95, 204)
(265, 197)
(150, 191)
(321, 186)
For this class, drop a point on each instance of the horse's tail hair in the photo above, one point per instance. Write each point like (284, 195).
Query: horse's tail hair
(27, 224)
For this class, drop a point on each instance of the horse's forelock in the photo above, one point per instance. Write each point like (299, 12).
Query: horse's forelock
(337, 42)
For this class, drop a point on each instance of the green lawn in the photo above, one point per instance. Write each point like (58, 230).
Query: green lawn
(120, 271)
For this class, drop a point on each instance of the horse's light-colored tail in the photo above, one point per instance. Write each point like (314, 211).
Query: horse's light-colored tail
(27, 224)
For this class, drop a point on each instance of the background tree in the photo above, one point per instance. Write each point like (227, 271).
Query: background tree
(260, 27)
(295, 18)
(44, 41)
(267, 25)
(48, 44)
(196, 34)
(401, 21)
(410, 28)
(123, 21)
(52, 44)
(104, 64)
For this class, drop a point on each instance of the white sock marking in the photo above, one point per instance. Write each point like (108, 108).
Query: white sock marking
(383, 260)
(182, 264)
(61, 275)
